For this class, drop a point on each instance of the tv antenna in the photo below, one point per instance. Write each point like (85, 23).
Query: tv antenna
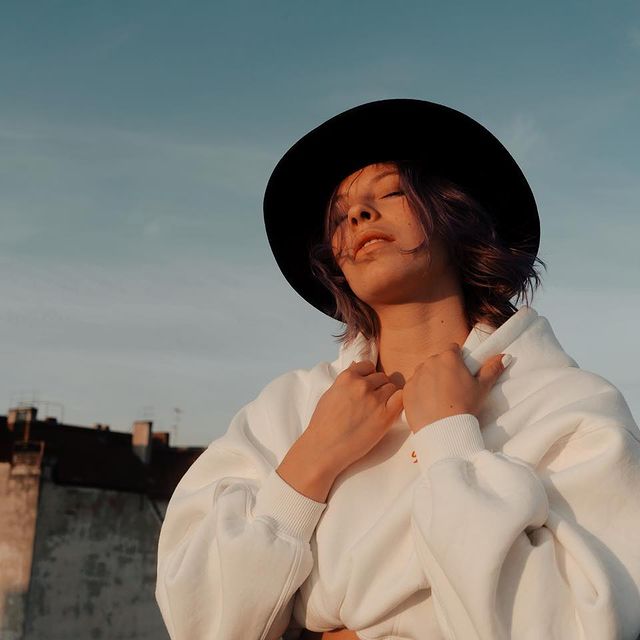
(177, 412)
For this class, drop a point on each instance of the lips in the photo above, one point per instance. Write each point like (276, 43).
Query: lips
(370, 235)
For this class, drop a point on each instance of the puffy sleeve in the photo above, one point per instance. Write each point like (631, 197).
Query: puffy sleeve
(234, 545)
(515, 550)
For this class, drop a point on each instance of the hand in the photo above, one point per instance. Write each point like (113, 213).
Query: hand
(442, 386)
(354, 414)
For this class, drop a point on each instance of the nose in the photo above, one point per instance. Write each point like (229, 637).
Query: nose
(356, 216)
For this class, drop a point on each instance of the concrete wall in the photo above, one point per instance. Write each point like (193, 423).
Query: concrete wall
(19, 486)
(94, 566)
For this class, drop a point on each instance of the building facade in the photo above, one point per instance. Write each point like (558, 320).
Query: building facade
(80, 515)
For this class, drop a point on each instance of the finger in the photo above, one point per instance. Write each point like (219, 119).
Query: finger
(490, 371)
(363, 367)
(376, 380)
(392, 397)
(386, 390)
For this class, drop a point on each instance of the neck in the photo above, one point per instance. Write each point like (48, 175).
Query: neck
(412, 332)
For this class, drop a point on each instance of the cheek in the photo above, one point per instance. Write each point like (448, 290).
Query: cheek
(336, 242)
(413, 227)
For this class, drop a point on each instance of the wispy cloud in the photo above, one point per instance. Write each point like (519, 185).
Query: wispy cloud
(522, 137)
(199, 334)
(68, 187)
(230, 164)
(113, 39)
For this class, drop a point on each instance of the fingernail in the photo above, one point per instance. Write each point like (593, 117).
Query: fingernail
(506, 359)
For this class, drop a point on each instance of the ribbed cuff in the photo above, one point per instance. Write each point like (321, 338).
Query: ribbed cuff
(293, 512)
(456, 436)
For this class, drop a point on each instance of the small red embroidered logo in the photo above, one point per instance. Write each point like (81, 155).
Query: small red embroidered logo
(413, 455)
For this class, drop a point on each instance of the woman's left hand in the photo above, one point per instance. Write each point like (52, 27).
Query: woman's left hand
(442, 386)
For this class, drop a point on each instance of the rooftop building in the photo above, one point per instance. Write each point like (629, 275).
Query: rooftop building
(80, 515)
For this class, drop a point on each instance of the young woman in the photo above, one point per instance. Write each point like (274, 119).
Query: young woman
(419, 486)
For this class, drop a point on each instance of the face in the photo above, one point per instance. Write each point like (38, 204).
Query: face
(372, 200)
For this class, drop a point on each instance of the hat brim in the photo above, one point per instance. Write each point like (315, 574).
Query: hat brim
(455, 145)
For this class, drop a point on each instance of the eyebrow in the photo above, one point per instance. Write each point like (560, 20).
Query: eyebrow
(391, 172)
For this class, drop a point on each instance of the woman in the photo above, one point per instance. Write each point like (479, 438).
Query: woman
(417, 487)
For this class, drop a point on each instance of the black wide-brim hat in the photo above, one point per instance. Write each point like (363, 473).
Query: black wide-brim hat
(439, 137)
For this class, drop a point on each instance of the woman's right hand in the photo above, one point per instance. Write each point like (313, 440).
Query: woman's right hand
(354, 414)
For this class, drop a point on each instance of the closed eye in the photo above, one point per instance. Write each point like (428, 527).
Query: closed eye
(337, 222)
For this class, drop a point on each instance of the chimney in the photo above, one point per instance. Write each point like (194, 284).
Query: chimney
(19, 421)
(160, 438)
(141, 439)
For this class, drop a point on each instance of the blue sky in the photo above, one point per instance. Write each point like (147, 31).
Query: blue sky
(136, 140)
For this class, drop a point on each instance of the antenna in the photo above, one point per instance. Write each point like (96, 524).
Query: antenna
(177, 411)
(22, 400)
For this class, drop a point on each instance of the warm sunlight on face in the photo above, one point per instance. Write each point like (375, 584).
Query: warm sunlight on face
(371, 200)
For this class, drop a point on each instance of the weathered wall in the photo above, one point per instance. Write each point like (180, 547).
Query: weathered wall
(94, 566)
(18, 506)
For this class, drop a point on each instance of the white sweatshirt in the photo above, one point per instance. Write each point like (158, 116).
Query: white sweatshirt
(522, 523)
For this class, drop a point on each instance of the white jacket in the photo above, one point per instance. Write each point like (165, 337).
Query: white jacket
(523, 523)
